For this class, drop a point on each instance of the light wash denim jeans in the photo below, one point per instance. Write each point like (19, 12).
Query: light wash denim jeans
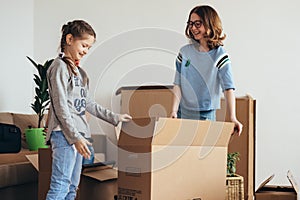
(198, 115)
(66, 169)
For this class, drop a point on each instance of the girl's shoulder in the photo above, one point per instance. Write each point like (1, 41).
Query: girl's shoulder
(58, 66)
(59, 63)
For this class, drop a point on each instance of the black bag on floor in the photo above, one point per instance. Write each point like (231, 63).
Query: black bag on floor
(10, 138)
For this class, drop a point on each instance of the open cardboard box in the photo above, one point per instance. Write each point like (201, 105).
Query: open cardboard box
(178, 159)
(272, 192)
(97, 183)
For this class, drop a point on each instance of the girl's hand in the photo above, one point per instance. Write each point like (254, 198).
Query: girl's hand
(125, 118)
(82, 148)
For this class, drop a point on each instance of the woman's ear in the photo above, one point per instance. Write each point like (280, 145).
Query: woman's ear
(69, 38)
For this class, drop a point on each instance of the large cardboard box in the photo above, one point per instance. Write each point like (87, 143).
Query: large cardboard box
(272, 192)
(98, 183)
(245, 143)
(146, 101)
(164, 158)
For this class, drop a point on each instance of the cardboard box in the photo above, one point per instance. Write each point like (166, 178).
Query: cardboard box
(245, 143)
(272, 192)
(97, 183)
(146, 101)
(164, 158)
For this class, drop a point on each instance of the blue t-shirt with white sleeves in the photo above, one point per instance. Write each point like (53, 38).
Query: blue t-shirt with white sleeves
(202, 76)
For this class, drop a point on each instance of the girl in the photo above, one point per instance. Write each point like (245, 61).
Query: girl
(203, 69)
(68, 127)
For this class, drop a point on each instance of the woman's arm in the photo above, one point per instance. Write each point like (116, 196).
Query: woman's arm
(176, 100)
(230, 105)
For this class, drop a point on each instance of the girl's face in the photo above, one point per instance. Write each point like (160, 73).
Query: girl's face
(196, 27)
(77, 48)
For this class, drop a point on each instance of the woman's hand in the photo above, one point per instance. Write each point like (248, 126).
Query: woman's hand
(125, 118)
(173, 114)
(82, 148)
(238, 127)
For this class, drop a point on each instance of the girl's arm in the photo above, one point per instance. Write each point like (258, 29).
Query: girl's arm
(230, 105)
(176, 100)
(106, 114)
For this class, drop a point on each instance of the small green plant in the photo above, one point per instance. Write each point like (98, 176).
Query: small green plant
(41, 99)
(232, 159)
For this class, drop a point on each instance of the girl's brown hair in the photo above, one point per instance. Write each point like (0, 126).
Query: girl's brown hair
(77, 28)
(212, 24)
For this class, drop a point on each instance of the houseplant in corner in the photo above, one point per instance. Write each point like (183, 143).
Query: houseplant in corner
(35, 136)
(234, 182)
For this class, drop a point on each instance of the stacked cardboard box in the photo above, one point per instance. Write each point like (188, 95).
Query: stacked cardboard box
(146, 101)
(245, 143)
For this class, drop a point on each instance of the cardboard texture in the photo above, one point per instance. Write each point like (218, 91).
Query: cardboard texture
(245, 143)
(94, 184)
(11, 158)
(146, 101)
(275, 192)
(164, 158)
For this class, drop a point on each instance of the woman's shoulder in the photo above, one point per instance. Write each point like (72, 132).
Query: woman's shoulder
(220, 50)
(186, 48)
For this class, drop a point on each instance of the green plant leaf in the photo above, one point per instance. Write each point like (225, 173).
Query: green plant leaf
(41, 99)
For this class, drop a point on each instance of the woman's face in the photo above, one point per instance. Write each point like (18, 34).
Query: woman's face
(196, 27)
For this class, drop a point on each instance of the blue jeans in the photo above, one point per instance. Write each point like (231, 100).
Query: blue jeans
(198, 115)
(66, 168)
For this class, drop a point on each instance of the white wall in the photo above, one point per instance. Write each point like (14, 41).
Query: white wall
(137, 42)
(16, 38)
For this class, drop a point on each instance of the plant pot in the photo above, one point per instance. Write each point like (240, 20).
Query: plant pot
(35, 138)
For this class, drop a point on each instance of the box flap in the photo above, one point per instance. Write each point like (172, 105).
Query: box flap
(98, 166)
(102, 175)
(175, 132)
(34, 160)
(183, 132)
(143, 87)
(265, 182)
(293, 182)
(137, 132)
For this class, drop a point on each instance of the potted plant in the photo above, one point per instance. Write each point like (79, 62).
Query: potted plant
(234, 182)
(232, 159)
(35, 136)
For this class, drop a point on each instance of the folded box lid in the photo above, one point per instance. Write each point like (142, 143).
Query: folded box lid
(103, 174)
(291, 179)
(100, 173)
(293, 182)
(175, 132)
(265, 182)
